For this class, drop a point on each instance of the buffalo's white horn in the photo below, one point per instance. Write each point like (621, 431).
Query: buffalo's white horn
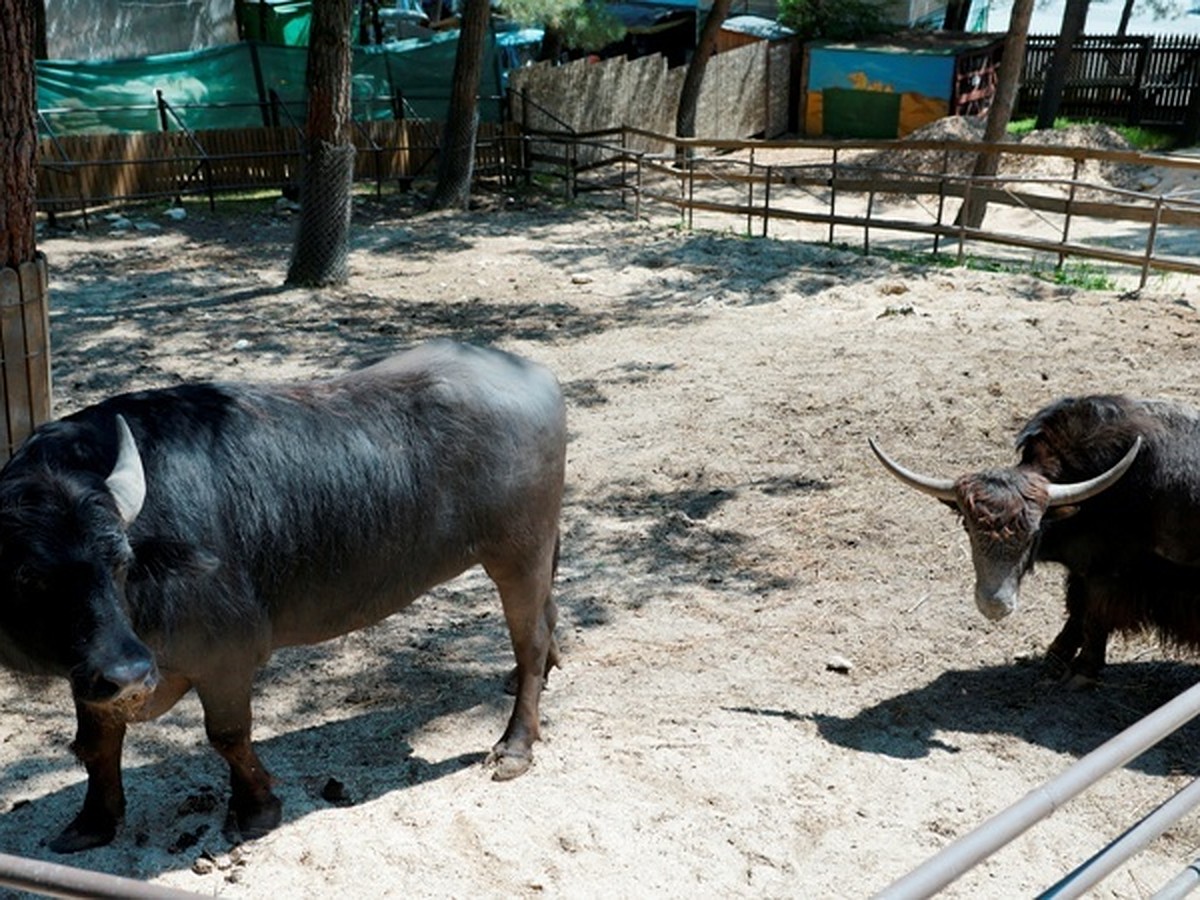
(941, 488)
(127, 481)
(1064, 494)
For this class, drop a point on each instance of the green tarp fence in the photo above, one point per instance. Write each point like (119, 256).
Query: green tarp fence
(230, 87)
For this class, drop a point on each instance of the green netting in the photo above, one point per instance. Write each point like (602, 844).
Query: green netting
(120, 95)
(276, 23)
(231, 87)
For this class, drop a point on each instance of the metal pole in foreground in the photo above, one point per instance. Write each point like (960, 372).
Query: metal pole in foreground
(975, 846)
(1181, 885)
(55, 880)
(1100, 866)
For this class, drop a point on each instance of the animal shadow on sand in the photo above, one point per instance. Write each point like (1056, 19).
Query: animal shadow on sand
(177, 800)
(1018, 700)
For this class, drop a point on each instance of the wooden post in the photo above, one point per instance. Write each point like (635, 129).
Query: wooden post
(1066, 229)
(833, 175)
(24, 351)
(767, 202)
(1150, 239)
(750, 197)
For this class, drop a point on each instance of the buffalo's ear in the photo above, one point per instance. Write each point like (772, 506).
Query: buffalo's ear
(158, 560)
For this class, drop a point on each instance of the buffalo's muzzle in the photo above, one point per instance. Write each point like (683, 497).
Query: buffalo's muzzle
(995, 607)
(124, 681)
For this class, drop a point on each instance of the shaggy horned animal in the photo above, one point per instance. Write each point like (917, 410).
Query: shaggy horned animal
(1108, 486)
(171, 539)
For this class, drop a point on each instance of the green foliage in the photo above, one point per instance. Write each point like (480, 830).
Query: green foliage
(1144, 139)
(1086, 276)
(582, 24)
(837, 20)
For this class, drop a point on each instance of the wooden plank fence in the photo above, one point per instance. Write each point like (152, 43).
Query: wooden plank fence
(78, 172)
(24, 352)
(1135, 80)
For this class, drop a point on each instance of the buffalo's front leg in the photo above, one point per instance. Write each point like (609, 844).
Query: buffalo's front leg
(252, 806)
(531, 614)
(1091, 658)
(98, 739)
(1060, 655)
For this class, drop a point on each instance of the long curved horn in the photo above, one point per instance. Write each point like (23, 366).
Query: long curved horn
(1064, 494)
(127, 481)
(941, 488)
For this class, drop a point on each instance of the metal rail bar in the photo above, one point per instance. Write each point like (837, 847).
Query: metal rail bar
(1135, 839)
(57, 880)
(975, 846)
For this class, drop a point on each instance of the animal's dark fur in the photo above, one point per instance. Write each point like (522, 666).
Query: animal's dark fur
(275, 515)
(1132, 551)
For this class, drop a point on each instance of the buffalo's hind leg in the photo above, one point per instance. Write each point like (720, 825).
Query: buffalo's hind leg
(98, 740)
(531, 614)
(253, 807)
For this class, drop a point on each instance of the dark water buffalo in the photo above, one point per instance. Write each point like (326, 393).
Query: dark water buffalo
(1109, 487)
(172, 539)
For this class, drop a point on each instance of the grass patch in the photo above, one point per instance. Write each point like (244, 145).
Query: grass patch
(1147, 140)
(1083, 275)
(1086, 276)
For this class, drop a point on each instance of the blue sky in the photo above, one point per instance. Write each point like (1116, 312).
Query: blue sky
(1103, 16)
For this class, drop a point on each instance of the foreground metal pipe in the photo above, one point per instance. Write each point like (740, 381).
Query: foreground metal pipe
(56, 880)
(1181, 885)
(975, 846)
(1096, 869)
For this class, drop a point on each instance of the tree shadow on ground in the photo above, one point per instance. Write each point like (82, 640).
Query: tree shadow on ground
(675, 534)
(197, 294)
(1017, 700)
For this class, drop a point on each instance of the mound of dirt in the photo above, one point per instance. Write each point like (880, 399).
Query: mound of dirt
(1102, 173)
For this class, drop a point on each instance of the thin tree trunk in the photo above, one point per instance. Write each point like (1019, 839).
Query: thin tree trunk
(1126, 15)
(40, 50)
(456, 161)
(319, 256)
(1007, 84)
(1074, 16)
(18, 134)
(693, 80)
(25, 403)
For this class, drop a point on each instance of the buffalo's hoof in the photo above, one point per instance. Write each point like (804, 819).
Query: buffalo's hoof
(249, 823)
(1055, 669)
(507, 764)
(81, 836)
(1078, 681)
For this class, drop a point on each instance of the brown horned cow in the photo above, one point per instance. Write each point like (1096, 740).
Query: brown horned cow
(1108, 486)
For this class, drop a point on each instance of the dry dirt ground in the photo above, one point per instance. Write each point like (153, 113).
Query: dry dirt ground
(775, 683)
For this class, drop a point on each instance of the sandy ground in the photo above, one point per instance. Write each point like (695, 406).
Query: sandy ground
(775, 683)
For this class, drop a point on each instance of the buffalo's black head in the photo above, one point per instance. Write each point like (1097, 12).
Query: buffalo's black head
(64, 559)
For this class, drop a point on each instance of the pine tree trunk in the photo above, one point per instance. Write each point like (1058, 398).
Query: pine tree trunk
(693, 80)
(456, 160)
(25, 335)
(18, 134)
(319, 256)
(1000, 113)
(1126, 15)
(1074, 16)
